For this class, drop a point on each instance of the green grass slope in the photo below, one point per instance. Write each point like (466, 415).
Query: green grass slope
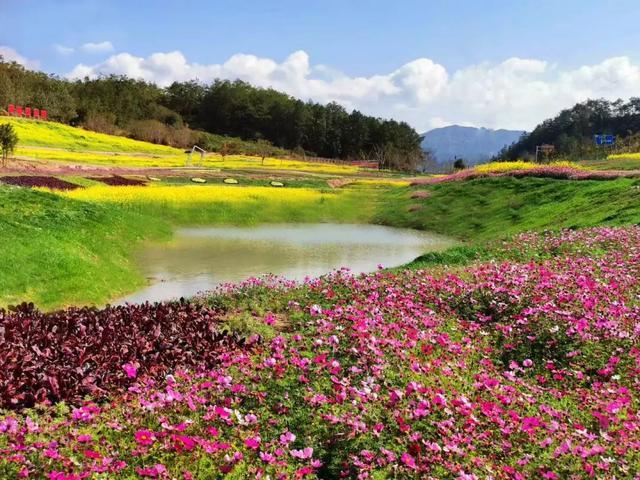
(57, 251)
(58, 135)
(489, 208)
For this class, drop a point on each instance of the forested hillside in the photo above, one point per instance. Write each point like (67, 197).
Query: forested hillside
(178, 114)
(572, 130)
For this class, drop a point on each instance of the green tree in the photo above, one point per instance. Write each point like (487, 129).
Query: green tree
(8, 141)
(459, 164)
(264, 148)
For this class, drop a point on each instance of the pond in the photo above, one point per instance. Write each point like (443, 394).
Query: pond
(199, 259)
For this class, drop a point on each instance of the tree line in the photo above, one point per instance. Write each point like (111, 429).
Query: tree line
(185, 112)
(572, 131)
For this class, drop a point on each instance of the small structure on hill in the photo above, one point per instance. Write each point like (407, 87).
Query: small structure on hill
(190, 153)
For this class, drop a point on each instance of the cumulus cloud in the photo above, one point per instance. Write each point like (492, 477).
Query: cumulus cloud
(62, 49)
(516, 93)
(99, 47)
(10, 55)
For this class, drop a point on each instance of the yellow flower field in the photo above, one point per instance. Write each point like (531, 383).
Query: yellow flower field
(58, 135)
(625, 156)
(211, 160)
(381, 182)
(62, 143)
(191, 194)
(231, 205)
(110, 159)
(497, 167)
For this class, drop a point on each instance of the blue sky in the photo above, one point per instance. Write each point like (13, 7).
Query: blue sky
(345, 41)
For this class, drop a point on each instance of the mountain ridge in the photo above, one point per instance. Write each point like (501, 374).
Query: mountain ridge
(472, 144)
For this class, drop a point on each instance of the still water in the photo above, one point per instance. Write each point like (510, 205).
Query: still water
(199, 259)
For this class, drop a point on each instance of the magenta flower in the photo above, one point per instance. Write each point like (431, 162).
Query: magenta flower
(144, 437)
(302, 454)
(408, 460)
(253, 442)
(130, 369)
(287, 437)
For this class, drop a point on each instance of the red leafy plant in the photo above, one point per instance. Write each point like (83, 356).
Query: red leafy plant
(39, 181)
(66, 355)
(117, 180)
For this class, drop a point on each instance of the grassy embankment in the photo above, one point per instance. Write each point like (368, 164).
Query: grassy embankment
(57, 251)
(481, 210)
(84, 242)
(622, 161)
(61, 251)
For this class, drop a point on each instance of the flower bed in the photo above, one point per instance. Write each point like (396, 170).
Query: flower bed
(69, 354)
(504, 370)
(117, 180)
(541, 171)
(30, 181)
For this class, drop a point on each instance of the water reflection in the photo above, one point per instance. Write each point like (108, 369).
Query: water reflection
(198, 259)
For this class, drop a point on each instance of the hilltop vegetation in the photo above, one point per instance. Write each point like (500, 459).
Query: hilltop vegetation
(190, 112)
(572, 131)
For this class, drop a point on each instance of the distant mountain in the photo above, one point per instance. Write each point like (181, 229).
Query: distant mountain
(474, 145)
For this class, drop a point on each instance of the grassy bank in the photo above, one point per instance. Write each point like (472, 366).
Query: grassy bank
(236, 205)
(75, 248)
(59, 251)
(489, 208)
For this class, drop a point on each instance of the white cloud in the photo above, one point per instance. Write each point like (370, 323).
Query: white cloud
(100, 47)
(62, 49)
(10, 55)
(516, 93)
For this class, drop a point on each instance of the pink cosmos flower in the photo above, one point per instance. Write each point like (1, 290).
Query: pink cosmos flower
(270, 319)
(183, 443)
(302, 454)
(130, 369)
(92, 454)
(408, 460)
(55, 475)
(287, 437)
(253, 442)
(144, 437)
(152, 472)
(267, 457)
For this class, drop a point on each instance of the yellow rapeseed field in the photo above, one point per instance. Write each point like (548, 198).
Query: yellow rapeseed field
(94, 158)
(192, 194)
(211, 160)
(58, 135)
(497, 167)
(58, 142)
(381, 182)
(624, 156)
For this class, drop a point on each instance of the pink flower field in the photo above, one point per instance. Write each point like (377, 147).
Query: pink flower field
(524, 367)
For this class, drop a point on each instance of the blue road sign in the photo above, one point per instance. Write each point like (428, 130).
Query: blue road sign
(605, 139)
